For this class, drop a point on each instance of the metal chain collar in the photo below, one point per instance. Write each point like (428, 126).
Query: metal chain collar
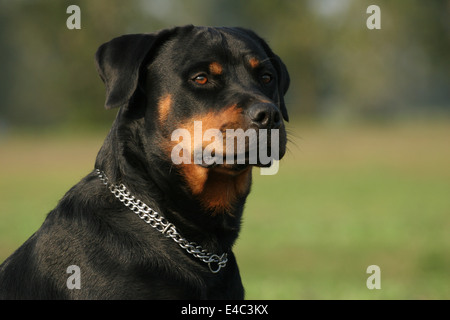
(155, 220)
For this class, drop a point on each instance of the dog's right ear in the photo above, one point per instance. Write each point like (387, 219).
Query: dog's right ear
(119, 63)
(283, 75)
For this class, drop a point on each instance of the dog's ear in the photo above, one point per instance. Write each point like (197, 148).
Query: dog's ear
(119, 63)
(283, 84)
(282, 73)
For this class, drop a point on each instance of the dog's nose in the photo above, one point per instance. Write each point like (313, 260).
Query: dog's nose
(264, 116)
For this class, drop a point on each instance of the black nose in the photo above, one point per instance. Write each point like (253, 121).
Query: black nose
(264, 115)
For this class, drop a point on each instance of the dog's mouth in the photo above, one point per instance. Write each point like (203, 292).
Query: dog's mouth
(230, 150)
(235, 161)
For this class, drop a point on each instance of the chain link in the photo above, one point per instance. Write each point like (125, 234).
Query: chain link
(155, 220)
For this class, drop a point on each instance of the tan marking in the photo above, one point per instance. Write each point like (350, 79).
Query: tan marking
(164, 106)
(217, 188)
(222, 189)
(195, 177)
(215, 68)
(254, 62)
(230, 118)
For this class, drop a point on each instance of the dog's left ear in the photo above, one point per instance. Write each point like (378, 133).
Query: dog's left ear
(119, 64)
(283, 75)
(283, 83)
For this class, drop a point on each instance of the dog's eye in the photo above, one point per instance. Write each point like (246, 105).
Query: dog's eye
(266, 78)
(201, 79)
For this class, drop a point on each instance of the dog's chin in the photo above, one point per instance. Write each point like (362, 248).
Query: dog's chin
(226, 168)
(234, 168)
(237, 163)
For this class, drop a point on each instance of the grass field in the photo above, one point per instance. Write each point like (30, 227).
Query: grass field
(344, 198)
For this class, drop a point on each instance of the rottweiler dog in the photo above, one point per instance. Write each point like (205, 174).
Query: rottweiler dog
(153, 220)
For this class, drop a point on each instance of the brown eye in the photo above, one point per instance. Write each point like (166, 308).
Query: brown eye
(266, 78)
(201, 79)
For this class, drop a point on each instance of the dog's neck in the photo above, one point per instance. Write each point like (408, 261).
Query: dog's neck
(203, 201)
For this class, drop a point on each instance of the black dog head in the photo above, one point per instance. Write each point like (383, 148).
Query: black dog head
(175, 79)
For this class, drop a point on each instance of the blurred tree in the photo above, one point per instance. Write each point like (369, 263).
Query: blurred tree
(399, 69)
(7, 62)
(55, 79)
(337, 65)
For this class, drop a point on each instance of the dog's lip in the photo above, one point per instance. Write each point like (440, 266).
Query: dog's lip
(234, 166)
(223, 157)
(233, 169)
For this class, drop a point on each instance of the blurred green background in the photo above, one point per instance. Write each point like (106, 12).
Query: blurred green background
(366, 180)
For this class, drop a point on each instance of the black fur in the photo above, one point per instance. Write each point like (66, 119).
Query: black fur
(119, 256)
